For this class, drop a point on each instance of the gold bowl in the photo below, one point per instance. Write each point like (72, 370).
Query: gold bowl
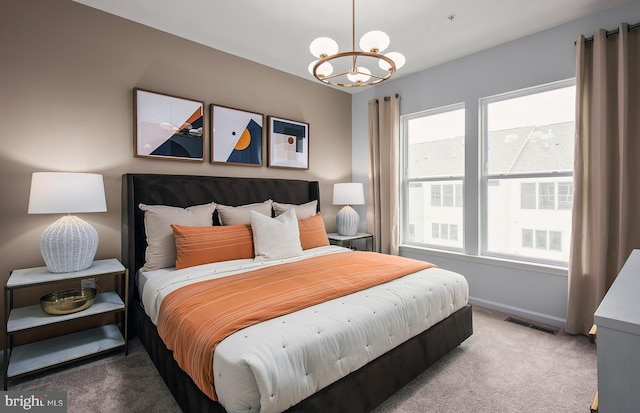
(67, 301)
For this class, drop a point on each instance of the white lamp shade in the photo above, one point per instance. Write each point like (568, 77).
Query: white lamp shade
(374, 41)
(66, 192)
(398, 59)
(323, 46)
(351, 193)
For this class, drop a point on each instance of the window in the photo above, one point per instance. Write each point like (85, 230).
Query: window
(447, 195)
(527, 238)
(565, 195)
(546, 194)
(527, 195)
(433, 161)
(541, 240)
(521, 208)
(527, 175)
(555, 240)
(551, 240)
(444, 231)
(453, 232)
(458, 196)
(436, 195)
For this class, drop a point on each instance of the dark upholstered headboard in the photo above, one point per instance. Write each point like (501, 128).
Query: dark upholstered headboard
(187, 190)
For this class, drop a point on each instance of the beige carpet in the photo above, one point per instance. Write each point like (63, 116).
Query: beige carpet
(503, 367)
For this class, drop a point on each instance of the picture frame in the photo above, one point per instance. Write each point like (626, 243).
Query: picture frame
(167, 126)
(236, 136)
(288, 143)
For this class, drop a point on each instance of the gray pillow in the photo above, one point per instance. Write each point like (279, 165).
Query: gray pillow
(161, 245)
(230, 215)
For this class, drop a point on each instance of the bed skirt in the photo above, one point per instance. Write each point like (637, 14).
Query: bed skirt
(359, 392)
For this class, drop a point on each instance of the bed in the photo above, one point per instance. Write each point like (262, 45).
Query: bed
(362, 389)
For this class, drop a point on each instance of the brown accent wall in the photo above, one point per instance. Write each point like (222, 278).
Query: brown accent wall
(66, 77)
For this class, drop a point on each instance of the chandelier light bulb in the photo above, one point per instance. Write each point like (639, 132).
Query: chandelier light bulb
(324, 69)
(361, 75)
(374, 41)
(323, 46)
(398, 59)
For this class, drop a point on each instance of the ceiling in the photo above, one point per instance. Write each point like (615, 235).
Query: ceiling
(277, 33)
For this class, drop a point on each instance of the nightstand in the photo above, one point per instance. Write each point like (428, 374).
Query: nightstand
(347, 240)
(37, 356)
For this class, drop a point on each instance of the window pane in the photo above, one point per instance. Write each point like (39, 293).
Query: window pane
(528, 140)
(527, 195)
(453, 232)
(434, 149)
(444, 231)
(423, 222)
(532, 133)
(436, 195)
(435, 145)
(546, 194)
(527, 238)
(447, 195)
(459, 197)
(555, 240)
(541, 239)
(510, 227)
(565, 195)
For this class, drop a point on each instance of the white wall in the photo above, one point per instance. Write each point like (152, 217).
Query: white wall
(528, 291)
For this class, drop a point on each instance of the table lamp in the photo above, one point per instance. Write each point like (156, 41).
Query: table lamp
(70, 243)
(348, 194)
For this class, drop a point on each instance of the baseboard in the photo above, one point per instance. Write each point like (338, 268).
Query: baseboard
(520, 312)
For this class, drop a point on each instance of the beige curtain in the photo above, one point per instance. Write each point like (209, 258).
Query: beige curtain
(606, 211)
(383, 201)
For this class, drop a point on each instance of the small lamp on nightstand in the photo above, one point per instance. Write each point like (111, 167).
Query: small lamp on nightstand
(70, 243)
(348, 194)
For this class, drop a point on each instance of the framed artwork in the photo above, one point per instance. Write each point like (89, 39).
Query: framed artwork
(288, 143)
(168, 127)
(236, 136)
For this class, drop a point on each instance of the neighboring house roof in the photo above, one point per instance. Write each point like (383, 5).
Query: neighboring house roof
(540, 148)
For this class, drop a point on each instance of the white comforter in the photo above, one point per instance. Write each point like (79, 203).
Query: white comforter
(273, 365)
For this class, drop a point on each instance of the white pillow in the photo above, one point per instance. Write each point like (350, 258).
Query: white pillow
(230, 215)
(275, 238)
(161, 245)
(303, 211)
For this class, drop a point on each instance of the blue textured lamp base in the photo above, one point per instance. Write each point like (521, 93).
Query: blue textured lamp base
(347, 221)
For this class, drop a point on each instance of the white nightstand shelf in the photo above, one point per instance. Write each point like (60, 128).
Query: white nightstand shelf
(347, 240)
(33, 357)
(24, 318)
(40, 355)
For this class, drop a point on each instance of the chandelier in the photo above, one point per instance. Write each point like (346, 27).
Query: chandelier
(354, 68)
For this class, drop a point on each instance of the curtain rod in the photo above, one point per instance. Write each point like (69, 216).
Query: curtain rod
(612, 32)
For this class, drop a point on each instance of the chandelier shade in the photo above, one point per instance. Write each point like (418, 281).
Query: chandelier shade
(355, 68)
(374, 41)
(323, 47)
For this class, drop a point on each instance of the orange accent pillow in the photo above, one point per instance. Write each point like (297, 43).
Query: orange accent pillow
(312, 232)
(204, 245)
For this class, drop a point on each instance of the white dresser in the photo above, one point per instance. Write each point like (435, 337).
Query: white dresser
(618, 321)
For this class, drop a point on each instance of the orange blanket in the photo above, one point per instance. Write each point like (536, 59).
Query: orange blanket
(195, 318)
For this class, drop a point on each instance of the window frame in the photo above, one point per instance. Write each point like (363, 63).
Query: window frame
(485, 177)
